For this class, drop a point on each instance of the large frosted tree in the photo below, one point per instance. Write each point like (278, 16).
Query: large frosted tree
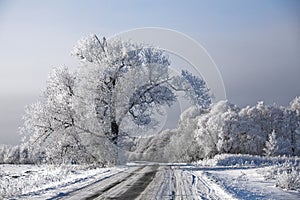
(117, 82)
(121, 80)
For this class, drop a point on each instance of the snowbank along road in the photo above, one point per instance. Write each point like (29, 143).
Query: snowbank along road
(151, 181)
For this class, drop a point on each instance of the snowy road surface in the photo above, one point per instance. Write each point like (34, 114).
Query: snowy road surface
(151, 182)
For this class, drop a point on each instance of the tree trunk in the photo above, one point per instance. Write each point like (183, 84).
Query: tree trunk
(115, 132)
(114, 139)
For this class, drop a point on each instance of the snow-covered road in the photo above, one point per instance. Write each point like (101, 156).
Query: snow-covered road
(151, 182)
(139, 180)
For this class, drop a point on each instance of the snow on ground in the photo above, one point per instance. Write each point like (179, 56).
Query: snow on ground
(42, 182)
(223, 177)
(248, 183)
(250, 177)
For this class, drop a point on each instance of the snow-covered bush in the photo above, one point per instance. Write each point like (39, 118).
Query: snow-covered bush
(239, 160)
(289, 179)
(286, 174)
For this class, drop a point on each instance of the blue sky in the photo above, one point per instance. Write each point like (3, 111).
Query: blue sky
(255, 44)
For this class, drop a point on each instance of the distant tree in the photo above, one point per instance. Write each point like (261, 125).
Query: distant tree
(295, 105)
(215, 132)
(117, 80)
(271, 145)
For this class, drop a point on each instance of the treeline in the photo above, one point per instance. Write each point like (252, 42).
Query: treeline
(26, 153)
(268, 130)
(14, 155)
(229, 129)
(225, 128)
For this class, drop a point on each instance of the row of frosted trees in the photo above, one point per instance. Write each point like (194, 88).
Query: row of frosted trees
(258, 130)
(225, 128)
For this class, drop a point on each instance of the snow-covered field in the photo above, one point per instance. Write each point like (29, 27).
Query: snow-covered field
(46, 181)
(223, 177)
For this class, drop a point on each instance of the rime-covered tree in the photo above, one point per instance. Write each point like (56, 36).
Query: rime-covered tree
(295, 108)
(271, 145)
(122, 80)
(118, 83)
(295, 105)
(52, 128)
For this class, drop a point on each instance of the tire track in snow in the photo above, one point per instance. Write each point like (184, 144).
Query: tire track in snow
(139, 186)
(100, 186)
(127, 184)
(176, 183)
(110, 186)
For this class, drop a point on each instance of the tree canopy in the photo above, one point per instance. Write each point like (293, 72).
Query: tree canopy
(83, 111)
